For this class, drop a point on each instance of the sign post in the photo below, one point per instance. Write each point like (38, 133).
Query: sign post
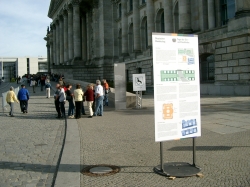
(139, 85)
(176, 96)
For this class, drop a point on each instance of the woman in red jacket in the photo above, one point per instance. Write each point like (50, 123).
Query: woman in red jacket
(89, 94)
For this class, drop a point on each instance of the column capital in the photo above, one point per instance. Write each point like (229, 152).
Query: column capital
(69, 8)
(75, 2)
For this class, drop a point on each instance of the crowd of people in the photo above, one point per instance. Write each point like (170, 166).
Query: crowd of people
(96, 96)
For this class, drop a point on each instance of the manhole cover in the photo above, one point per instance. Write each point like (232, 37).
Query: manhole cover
(100, 170)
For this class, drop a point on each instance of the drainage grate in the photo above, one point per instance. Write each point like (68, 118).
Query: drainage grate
(100, 170)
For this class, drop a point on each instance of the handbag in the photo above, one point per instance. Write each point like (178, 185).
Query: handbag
(68, 97)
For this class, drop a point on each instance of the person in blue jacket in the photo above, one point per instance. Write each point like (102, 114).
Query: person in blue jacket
(23, 97)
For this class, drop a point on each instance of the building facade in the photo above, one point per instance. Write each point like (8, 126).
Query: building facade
(12, 67)
(87, 37)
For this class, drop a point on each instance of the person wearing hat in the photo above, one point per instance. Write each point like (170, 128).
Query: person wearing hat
(23, 97)
(10, 99)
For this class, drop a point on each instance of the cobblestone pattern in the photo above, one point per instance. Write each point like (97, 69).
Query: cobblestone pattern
(30, 143)
(126, 139)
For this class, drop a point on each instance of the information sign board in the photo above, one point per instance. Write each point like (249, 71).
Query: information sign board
(176, 86)
(139, 82)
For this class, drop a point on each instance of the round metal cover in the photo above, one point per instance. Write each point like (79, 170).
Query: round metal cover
(100, 170)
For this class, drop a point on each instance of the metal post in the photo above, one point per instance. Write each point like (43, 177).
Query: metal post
(140, 99)
(161, 156)
(194, 152)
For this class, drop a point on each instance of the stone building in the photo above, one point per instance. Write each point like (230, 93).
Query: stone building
(87, 37)
(12, 67)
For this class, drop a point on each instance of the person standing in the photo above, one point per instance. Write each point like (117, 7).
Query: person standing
(90, 99)
(83, 100)
(98, 99)
(33, 84)
(10, 99)
(47, 87)
(106, 93)
(57, 104)
(23, 97)
(78, 94)
(62, 100)
(42, 82)
(69, 98)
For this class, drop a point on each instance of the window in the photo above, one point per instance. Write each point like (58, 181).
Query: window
(120, 10)
(227, 10)
(28, 66)
(146, 35)
(127, 75)
(207, 68)
(130, 5)
(139, 70)
(162, 23)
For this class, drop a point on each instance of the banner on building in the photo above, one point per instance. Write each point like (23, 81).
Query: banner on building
(139, 82)
(176, 86)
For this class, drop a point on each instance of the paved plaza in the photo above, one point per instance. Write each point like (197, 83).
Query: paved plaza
(126, 139)
(31, 145)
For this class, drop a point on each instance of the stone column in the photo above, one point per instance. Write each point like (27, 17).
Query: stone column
(54, 44)
(48, 55)
(218, 13)
(65, 38)
(211, 13)
(84, 38)
(70, 35)
(76, 29)
(203, 15)
(168, 16)
(185, 16)
(57, 43)
(242, 8)
(124, 21)
(136, 26)
(51, 57)
(61, 39)
(150, 20)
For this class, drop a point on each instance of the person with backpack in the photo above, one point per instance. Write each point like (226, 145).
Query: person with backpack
(23, 96)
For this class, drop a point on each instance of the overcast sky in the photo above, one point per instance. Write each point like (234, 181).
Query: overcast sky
(23, 25)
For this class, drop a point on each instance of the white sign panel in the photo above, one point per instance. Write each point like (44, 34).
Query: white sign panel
(176, 86)
(139, 82)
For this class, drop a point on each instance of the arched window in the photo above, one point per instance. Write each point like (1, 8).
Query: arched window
(159, 20)
(131, 38)
(130, 5)
(227, 10)
(207, 68)
(120, 41)
(144, 33)
(162, 23)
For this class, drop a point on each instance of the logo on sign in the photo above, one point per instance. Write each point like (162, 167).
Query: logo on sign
(138, 81)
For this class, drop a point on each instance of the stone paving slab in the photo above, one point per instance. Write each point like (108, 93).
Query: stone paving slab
(126, 139)
(30, 143)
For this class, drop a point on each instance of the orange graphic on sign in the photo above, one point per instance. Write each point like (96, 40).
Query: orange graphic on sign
(167, 111)
(184, 58)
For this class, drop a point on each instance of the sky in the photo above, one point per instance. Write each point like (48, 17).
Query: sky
(23, 25)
